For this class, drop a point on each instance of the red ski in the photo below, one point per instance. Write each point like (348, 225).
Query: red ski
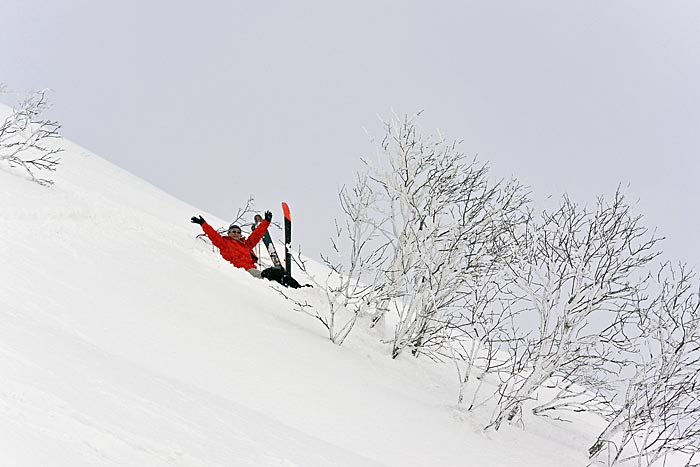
(287, 238)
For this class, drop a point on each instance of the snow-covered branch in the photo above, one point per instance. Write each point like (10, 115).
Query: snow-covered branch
(25, 137)
(577, 274)
(423, 222)
(660, 411)
(349, 296)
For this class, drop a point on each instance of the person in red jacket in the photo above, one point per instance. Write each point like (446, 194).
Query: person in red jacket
(235, 248)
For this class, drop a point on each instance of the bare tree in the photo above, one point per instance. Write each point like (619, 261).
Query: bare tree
(422, 220)
(576, 271)
(351, 288)
(25, 137)
(482, 325)
(659, 414)
(439, 216)
(480, 332)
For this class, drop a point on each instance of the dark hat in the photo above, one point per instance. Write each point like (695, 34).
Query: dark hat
(234, 226)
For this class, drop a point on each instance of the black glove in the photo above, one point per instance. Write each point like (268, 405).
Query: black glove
(198, 220)
(268, 216)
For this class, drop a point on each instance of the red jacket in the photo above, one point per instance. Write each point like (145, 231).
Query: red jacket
(237, 252)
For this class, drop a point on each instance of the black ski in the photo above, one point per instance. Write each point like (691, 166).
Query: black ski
(267, 240)
(287, 238)
(278, 273)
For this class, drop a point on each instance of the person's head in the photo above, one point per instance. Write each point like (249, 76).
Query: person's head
(234, 231)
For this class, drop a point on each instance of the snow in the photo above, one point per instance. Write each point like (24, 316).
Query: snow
(125, 340)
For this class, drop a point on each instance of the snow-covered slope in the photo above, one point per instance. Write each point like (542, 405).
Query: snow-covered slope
(124, 340)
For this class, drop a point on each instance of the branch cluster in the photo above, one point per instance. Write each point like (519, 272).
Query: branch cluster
(25, 138)
(421, 224)
(659, 413)
(555, 311)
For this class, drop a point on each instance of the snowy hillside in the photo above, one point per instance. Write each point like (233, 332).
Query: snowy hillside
(124, 340)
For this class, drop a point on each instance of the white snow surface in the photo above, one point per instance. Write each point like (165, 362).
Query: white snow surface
(125, 340)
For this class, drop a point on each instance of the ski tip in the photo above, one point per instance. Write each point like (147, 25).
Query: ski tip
(285, 209)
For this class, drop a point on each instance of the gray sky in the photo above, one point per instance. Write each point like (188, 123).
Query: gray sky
(215, 100)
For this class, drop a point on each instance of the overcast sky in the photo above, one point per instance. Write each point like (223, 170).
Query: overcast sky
(213, 101)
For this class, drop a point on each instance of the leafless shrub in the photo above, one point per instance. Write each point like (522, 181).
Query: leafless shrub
(659, 414)
(25, 137)
(576, 273)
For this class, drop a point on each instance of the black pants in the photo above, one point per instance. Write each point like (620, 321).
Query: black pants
(278, 274)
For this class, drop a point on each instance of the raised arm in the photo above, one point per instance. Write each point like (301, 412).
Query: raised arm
(258, 233)
(213, 235)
